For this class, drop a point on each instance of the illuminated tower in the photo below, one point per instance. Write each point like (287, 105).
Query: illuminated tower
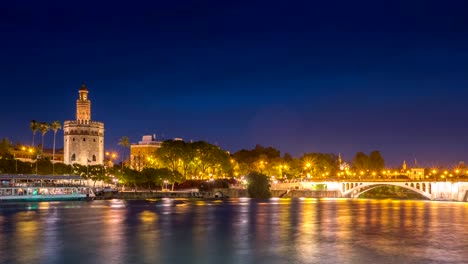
(83, 105)
(83, 138)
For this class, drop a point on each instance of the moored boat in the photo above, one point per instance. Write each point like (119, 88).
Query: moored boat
(36, 188)
(39, 194)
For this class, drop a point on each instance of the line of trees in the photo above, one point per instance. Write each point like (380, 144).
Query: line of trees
(202, 160)
(178, 161)
(44, 127)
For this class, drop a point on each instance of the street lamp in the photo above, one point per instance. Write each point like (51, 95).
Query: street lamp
(164, 185)
(111, 156)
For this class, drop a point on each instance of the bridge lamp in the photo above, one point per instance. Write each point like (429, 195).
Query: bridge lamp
(434, 171)
(445, 172)
(457, 171)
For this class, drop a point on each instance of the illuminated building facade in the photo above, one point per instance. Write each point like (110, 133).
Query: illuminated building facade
(142, 153)
(83, 138)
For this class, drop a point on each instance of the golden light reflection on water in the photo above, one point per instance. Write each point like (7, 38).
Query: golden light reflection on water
(200, 203)
(26, 237)
(307, 231)
(113, 232)
(243, 231)
(148, 234)
(400, 230)
(148, 216)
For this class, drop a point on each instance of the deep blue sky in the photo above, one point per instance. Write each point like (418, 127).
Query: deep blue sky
(301, 76)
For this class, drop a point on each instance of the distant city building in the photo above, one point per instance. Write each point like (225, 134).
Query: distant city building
(142, 152)
(83, 138)
(342, 164)
(417, 174)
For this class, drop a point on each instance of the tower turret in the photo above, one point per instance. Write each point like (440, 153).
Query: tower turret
(83, 105)
(83, 139)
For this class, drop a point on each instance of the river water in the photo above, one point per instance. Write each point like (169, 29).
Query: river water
(235, 231)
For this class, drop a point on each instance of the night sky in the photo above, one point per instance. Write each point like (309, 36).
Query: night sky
(301, 76)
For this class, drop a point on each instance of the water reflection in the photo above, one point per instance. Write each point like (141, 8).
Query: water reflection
(235, 231)
(26, 237)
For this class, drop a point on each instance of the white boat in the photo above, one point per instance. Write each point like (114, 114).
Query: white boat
(35, 188)
(39, 194)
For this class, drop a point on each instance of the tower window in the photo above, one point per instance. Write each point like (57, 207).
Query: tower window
(84, 139)
(94, 140)
(73, 139)
(73, 157)
(94, 157)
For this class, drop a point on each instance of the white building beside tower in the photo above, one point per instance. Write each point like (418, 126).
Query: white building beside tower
(83, 138)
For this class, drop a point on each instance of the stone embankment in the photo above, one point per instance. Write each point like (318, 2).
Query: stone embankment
(216, 193)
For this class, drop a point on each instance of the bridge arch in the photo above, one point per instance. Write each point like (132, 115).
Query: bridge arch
(359, 189)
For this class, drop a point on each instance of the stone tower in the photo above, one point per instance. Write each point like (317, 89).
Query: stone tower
(83, 138)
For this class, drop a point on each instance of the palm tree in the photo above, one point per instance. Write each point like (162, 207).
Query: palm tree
(34, 125)
(125, 143)
(55, 126)
(44, 128)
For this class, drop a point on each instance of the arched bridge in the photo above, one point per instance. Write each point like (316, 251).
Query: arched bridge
(355, 189)
(441, 191)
